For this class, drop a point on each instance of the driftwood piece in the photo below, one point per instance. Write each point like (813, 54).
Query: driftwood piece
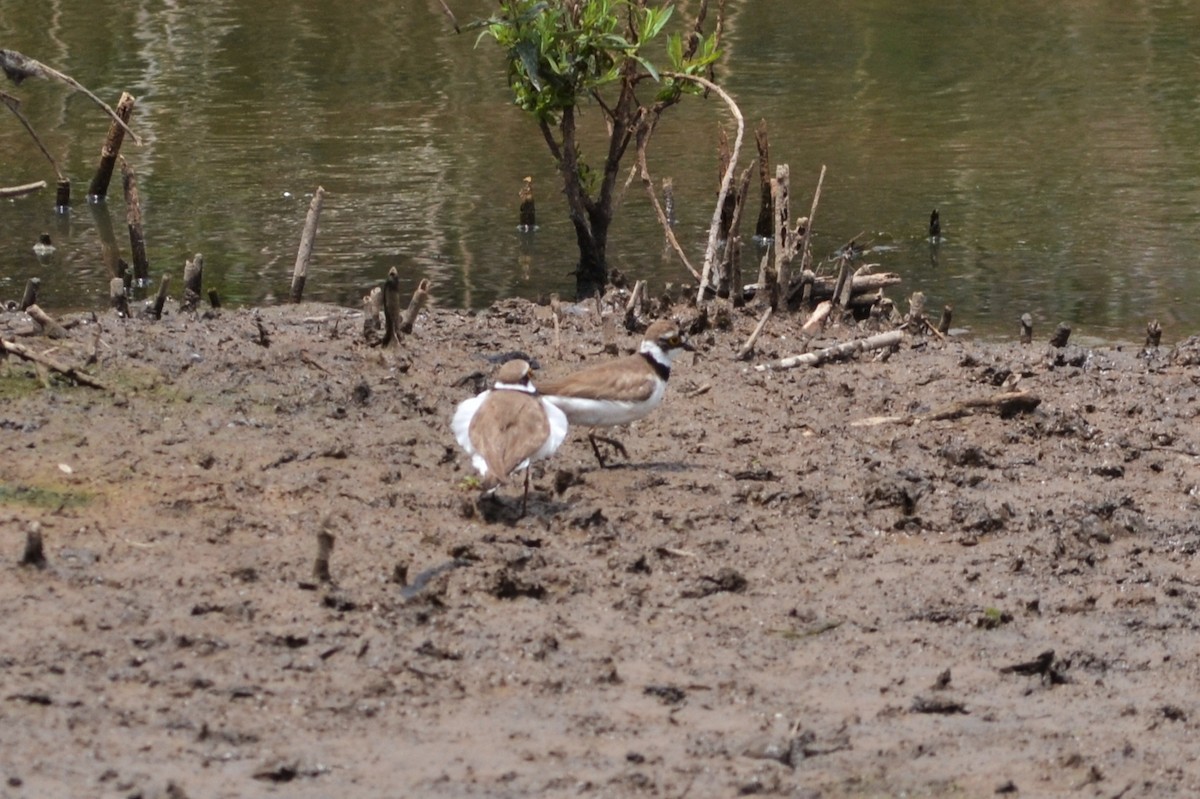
(31, 292)
(133, 219)
(8, 192)
(50, 327)
(747, 349)
(1007, 405)
(193, 279)
(304, 254)
(111, 148)
(845, 350)
(70, 372)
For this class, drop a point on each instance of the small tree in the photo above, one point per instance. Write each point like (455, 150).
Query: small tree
(562, 53)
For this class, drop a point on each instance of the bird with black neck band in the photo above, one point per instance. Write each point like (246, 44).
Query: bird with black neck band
(620, 391)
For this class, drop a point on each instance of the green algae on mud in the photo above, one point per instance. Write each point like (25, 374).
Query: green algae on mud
(41, 497)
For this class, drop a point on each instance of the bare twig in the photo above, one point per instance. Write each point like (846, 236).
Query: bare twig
(726, 181)
(18, 191)
(805, 248)
(14, 105)
(419, 298)
(304, 254)
(19, 67)
(748, 348)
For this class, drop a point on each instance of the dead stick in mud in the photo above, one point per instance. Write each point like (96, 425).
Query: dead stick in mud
(324, 550)
(20, 191)
(160, 299)
(70, 372)
(784, 249)
(710, 251)
(118, 299)
(50, 327)
(806, 243)
(419, 298)
(111, 148)
(193, 279)
(634, 302)
(881, 341)
(133, 219)
(729, 271)
(31, 292)
(391, 308)
(304, 254)
(818, 316)
(748, 348)
(35, 551)
(763, 228)
(663, 217)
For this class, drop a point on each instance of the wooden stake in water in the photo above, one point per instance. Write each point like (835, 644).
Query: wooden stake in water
(112, 147)
(304, 255)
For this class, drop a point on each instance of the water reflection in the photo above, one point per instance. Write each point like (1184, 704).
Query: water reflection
(1058, 142)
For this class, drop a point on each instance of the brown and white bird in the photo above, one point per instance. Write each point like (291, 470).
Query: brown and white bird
(507, 427)
(619, 391)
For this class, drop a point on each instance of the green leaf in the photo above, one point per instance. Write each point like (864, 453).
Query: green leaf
(527, 51)
(648, 67)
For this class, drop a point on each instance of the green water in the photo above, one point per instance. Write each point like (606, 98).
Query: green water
(1060, 143)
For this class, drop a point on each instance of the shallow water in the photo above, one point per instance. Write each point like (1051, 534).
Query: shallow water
(1059, 143)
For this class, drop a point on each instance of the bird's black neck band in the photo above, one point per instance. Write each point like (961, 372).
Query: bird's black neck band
(660, 368)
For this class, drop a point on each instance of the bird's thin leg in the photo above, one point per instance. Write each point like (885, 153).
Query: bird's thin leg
(612, 442)
(525, 496)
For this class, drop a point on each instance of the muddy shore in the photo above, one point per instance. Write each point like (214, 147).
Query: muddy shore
(853, 580)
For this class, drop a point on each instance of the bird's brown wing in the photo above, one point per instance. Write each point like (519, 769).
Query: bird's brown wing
(509, 427)
(627, 379)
